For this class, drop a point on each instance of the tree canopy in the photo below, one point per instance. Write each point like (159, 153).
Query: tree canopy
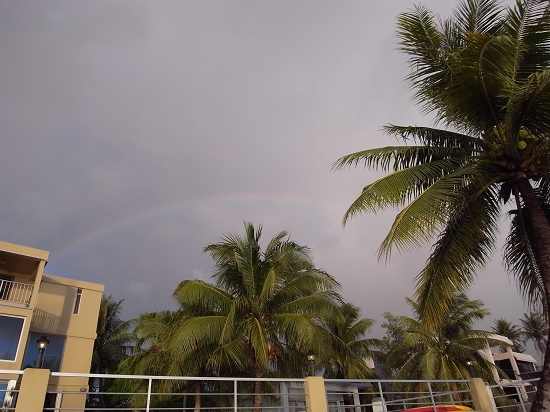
(484, 75)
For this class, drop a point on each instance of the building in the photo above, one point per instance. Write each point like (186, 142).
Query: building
(513, 369)
(35, 305)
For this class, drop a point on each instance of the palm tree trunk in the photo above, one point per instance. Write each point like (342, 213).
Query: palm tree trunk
(198, 385)
(101, 396)
(541, 248)
(258, 373)
(347, 397)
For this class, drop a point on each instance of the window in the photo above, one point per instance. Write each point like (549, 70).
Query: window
(3, 391)
(525, 366)
(77, 301)
(52, 354)
(10, 335)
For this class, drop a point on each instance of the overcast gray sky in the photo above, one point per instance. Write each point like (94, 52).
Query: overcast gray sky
(136, 132)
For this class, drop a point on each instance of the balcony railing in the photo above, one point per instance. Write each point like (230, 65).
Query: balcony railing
(15, 293)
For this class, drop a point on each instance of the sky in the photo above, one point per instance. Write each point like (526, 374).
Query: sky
(135, 133)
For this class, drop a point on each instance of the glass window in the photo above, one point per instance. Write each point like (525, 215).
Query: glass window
(525, 366)
(77, 301)
(52, 354)
(3, 390)
(10, 335)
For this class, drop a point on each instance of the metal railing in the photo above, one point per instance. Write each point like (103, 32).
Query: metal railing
(212, 394)
(8, 391)
(15, 293)
(514, 396)
(398, 395)
(170, 393)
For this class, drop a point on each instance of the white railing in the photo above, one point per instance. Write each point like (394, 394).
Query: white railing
(514, 396)
(15, 293)
(171, 393)
(398, 395)
(212, 394)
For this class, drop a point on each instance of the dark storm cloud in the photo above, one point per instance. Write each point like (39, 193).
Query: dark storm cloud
(135, 133)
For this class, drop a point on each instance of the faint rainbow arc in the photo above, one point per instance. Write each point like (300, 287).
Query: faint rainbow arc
(166, 208)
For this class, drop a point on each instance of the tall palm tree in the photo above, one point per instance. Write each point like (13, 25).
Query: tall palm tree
(264, 308)
(484, 75)
(112, 344)
(535, 328)
(449, 352)
(513, 332)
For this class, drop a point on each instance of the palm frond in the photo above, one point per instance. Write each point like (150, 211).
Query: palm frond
(461, 250)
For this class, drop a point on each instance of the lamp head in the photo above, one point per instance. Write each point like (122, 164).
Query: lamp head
(43, 342)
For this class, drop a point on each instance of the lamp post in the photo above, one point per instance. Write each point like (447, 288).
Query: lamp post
(311, 358)
(470, 364)
(42, 343)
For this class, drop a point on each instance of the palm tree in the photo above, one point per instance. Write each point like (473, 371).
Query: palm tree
(347, 354)
(112, 344)
(264, 308)
(535, 328)
(484, 75)
(158, 353)
(449, 352)
(513, 332)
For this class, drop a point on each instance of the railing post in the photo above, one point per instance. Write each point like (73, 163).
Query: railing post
(149, 390)
(431, 394)
(316, 395)
(235, 399)
(480, 396)
(32, 392)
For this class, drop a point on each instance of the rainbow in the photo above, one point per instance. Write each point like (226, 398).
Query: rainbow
(156, 211)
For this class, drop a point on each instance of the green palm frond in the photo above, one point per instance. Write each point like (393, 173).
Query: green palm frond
(520, 260)
(442, 351)
(395, 158)
(482, 16)
(528, 104)
(528, 23)
(436, 143)
(190, 293)
(232, 355)
(398, 188)
(461, 250)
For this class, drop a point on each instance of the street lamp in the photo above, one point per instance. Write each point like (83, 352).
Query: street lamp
(42, 343)
(470, 364)
(311, 358)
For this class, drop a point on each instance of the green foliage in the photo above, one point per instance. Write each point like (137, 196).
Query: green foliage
(535, 328)
(345, 357)
(418, 351)
(513, 332)
(392, 342)
(112, 344)
(113, 337)
(266, 309)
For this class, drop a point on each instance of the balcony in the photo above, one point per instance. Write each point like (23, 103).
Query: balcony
(15, 293)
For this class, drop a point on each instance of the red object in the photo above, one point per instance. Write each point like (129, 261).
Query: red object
(439, 408)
